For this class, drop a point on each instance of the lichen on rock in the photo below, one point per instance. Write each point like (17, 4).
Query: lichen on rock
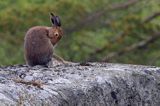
(74, 84)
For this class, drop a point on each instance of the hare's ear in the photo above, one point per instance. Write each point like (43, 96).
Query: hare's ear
(57, 21)
(52, 17)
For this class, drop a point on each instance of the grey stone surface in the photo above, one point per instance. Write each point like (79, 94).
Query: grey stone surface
(93, 84)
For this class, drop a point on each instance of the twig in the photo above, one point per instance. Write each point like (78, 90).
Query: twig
(151, 17)
(95, 15)
(133, 47)
(100, 50)
(34, 83)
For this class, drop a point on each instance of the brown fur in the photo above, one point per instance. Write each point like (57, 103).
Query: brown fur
(39, 42)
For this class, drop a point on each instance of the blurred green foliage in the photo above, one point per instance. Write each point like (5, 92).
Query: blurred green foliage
(93, 30)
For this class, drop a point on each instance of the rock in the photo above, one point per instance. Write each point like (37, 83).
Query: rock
(91, 84)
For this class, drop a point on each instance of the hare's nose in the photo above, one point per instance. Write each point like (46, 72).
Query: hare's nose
(56, 34)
